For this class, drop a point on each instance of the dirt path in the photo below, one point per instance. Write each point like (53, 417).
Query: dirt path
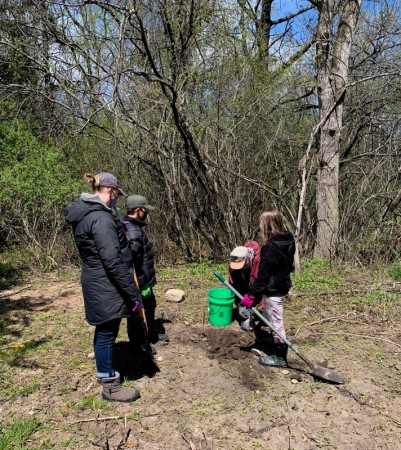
(211, 393)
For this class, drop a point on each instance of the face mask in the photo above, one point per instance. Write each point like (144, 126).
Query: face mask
(113, 202)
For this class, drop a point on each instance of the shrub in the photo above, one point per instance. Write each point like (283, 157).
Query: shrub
(35, 187)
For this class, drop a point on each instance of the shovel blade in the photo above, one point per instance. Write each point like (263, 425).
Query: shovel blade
(328, 375)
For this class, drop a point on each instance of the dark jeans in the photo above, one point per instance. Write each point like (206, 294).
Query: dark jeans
(105, 336)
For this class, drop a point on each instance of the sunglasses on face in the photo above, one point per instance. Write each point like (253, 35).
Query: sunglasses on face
(115, 193)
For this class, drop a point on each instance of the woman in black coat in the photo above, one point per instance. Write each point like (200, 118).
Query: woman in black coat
(108, 287)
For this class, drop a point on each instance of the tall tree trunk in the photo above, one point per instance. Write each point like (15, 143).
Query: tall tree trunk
(332, 59)
(265, 30)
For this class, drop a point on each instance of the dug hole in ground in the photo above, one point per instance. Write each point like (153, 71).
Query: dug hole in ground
(210, 393)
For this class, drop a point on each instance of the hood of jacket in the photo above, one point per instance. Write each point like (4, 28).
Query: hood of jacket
(284, 242)
(82, 206)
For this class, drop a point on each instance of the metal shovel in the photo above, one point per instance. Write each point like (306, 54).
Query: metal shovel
(318, 371)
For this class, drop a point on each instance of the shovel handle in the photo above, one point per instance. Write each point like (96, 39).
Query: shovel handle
(264, 320)
(232, 289)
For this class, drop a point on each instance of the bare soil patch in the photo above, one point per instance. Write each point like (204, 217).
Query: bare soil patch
(211, 392)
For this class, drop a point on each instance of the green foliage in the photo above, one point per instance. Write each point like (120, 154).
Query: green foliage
(317, 275)
(9, 389)
(31, 173)
(378, 303)
(92, 402)
(9, 275)
(14, 435)
(395, 272)
(196, 271)
(35, 187)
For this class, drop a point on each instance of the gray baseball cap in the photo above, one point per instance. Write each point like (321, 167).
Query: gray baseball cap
(109, 180)
(138, 201)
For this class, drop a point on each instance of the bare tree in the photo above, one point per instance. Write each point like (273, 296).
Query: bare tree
(336, 25)
(208, 107)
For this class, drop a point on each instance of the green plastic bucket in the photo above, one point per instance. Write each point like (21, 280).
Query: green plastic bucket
(221, 302)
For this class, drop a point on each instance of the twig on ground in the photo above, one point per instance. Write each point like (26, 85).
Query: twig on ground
(328, 319)
(207, 444)
(15, 293)
(96, 419)
(191, 444)
(124, 435)
(349, 393)
(360, 335)
(89, 386)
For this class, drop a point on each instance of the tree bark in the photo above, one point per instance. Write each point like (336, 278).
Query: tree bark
(332, 59)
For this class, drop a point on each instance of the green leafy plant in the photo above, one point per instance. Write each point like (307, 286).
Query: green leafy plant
(92, 402)
(14, 435)
(316, 275)
(34, 187)
(395, 271)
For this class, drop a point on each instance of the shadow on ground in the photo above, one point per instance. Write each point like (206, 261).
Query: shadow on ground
(15, 314)
(131, 365)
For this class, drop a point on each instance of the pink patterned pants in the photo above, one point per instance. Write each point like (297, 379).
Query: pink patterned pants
(273, 311)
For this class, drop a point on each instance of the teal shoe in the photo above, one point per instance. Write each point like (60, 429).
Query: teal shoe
(273, 361)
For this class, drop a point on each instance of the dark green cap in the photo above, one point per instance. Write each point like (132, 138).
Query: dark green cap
(138, 201)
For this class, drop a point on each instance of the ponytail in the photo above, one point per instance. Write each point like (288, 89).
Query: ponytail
(93, 180)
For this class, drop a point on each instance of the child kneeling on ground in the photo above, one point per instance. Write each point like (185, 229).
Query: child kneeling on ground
(242, 269)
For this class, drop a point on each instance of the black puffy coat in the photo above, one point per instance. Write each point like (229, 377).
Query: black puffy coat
(108, 286)
(276, 264)
(142, 253)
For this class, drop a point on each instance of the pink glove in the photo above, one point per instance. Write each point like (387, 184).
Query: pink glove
(247, 301)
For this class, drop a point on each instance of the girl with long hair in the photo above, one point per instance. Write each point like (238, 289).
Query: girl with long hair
(273, 281)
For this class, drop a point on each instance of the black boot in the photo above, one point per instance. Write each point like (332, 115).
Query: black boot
(278, 359)
(282, 351)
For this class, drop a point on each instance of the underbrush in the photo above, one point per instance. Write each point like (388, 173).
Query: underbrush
(9, 275)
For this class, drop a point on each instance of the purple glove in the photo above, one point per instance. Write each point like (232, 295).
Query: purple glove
(247, 301)
(137, 307)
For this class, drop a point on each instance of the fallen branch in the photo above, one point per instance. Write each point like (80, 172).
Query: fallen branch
(362, 336)
(96, 419)
(15, 293)
(328, 319)
(189, 442)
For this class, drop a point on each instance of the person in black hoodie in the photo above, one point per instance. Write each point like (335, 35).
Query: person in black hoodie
(108, 286)
(273, 280)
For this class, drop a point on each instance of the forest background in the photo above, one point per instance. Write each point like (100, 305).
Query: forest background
(215, 110)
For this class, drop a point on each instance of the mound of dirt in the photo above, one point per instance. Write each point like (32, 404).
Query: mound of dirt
(231, 348)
